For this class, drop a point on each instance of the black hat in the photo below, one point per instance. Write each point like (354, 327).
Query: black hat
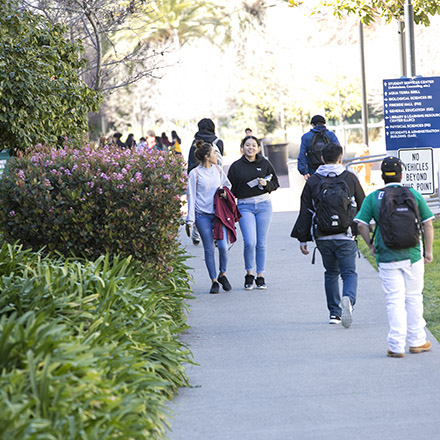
(391, 166)
(317, 119)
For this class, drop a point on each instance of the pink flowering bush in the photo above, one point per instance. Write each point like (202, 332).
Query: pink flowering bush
(86, 202)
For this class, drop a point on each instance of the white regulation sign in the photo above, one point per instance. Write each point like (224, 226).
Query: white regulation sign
(418, 172)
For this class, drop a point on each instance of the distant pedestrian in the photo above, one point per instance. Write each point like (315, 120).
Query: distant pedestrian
(329, 202)
(117, 140)
(253, 178)
(142, 144)
(165, 141)
(153, 141)
(176, 143)
(399, 255)
(130, 141)
(309, 158)
(206, 133)
(248, 132)
(205, 182)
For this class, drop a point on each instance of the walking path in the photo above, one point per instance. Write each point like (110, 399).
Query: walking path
(271, 367)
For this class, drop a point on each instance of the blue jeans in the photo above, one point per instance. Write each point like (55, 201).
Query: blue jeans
(254, 224)
(205, 225)
(339, 258)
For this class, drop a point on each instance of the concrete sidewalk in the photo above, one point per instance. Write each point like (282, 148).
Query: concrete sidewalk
(271, 367)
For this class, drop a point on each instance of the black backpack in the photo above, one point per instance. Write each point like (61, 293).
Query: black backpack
(334, 211)
(399, 218)
(317, 142)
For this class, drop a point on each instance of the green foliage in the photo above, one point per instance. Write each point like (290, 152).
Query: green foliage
(84, 202)
(41, 96)
(340, 97)
(88, 350)
(369, 10)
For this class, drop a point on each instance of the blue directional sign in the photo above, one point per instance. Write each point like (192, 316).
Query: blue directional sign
(412, 112)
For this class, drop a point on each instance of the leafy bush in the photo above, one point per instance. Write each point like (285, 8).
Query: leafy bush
(42, 98)
(88, 203)
(88, 350)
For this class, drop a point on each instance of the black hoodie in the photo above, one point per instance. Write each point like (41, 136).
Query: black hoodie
(242, 171)
(207, 134)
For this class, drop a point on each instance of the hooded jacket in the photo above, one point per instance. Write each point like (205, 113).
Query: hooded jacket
(206, 133)
(226, 214)
(303, 160)
(302, 229)
(242, 171)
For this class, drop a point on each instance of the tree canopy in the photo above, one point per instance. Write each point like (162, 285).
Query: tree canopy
(369, 10)
(42, 98)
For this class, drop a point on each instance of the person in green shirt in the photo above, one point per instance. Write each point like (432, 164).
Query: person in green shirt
(401, 270)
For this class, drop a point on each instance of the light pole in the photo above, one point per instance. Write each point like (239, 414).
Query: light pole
(409, 38)
(363, 86)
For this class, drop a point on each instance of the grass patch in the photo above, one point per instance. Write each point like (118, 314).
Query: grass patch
(431, 292)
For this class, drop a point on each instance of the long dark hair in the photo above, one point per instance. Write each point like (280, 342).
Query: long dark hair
(202, 150)
(174, 135)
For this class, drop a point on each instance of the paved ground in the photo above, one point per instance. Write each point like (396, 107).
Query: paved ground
(271, 367)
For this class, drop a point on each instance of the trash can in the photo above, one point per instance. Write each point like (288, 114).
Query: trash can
(4, 157)
(277, 156)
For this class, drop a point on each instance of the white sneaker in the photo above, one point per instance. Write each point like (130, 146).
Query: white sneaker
(347, 312)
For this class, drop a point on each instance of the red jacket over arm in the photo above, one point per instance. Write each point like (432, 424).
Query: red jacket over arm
(226, 214)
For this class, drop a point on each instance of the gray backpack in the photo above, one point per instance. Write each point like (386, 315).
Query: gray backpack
(217, 151)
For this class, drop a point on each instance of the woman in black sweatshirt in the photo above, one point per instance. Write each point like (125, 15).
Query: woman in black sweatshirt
(253, 178)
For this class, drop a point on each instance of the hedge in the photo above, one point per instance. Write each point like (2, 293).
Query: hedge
(86, 202)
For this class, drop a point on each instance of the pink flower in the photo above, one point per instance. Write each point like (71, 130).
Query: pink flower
(12, 213)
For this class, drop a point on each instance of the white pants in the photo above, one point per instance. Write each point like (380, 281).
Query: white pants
(403, 290)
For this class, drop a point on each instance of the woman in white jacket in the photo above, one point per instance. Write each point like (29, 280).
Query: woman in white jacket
(204, 181)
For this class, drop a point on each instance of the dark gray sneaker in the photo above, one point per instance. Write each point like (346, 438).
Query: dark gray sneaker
(260, 283)
(334, 319)
(215, 288)
(249, 282)
(224, 282)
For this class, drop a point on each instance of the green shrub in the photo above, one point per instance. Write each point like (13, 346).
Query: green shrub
(88, 203)
(88, 350)
(42, 97)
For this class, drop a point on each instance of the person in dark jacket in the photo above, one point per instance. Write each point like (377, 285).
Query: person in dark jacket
(318, 125)
(205, 133)
(253, 178)
(339, 250)
(130, 142)
(117, 140)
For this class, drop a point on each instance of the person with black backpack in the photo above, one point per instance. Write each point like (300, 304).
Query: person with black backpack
(310, 151)
(329, 201)
(403, 220)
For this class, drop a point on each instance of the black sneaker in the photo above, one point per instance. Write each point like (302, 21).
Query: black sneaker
(215, 287)
(334, 319)
(249, 282)
(259, 281)
(224, 282)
